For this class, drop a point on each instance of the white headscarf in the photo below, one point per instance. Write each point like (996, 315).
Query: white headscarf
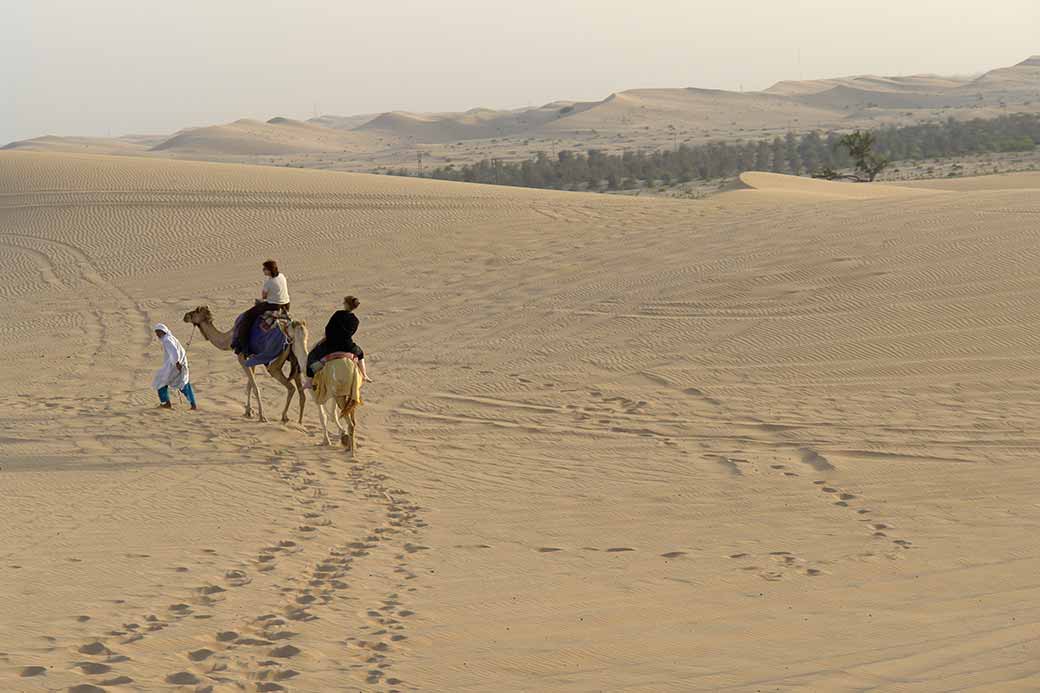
(161, 328)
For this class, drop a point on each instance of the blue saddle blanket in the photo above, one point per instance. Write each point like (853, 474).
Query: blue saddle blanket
(266, 341)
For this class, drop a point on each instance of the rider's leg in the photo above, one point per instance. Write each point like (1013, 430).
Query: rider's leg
(164, 396)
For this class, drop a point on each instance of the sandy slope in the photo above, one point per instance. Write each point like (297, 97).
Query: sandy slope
(253, 138)
(779, 439)
(82, 145)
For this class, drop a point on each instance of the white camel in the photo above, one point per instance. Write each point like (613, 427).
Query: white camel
(336, 386)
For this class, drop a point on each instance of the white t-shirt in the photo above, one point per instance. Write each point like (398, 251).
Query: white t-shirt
(277, 290)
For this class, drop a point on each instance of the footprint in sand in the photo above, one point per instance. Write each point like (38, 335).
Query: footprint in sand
(237, 578)
(200, 655)
(673, 554)
(815, 460)
(285, 651)
(94, 649)
(253, 642)
(548, 549)
(30, 671)
(730, 466)
(182, 678)
(117, 681)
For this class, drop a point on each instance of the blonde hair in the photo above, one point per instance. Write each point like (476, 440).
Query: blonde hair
(351, 302)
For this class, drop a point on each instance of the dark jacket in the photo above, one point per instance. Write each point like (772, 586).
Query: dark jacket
(339, 332)
(339, 336)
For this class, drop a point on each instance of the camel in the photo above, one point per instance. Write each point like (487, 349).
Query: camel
(342, 395)
(202, 318)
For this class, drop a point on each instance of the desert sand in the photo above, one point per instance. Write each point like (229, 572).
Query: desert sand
(783, 438)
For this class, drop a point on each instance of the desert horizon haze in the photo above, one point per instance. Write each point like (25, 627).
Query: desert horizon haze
(116, 67)
(772, 433)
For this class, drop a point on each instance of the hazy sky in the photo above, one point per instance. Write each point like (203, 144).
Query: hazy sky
(94, 67)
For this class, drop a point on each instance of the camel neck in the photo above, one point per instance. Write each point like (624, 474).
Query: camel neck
(221, 340)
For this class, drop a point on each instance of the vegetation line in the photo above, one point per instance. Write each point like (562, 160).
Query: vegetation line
(814, 152)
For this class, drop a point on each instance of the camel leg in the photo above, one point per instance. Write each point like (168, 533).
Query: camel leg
(346, 424)
(256, 389)
(324, 424)
(249, 391)
(303, 396)
(353, 432)
(290, 390)
(339, 403)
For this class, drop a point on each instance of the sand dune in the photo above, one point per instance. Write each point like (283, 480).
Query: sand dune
(779, 439)
(912, 83)
(277, 136)
(1024, 75)
(478, 123)
(83, 145)
(343, 122)
(789, 186)
(702, 111)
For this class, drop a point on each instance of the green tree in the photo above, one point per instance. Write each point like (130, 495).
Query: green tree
(868, 162)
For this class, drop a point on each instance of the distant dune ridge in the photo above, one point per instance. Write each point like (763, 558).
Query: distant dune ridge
(477, 123)
(253, 138)
(783, 438)
(637, 118)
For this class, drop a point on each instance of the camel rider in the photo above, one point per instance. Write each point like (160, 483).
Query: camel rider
(174, 371)
(339, 337)
(273, 297)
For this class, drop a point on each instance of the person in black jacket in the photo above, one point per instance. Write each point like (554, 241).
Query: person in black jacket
(339, 336)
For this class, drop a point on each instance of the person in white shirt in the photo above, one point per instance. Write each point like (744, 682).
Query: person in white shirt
(273, 297)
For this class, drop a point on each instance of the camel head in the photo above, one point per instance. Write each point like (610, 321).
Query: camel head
(199, 316)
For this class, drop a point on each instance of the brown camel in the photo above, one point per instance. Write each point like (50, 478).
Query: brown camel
(202, 318)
